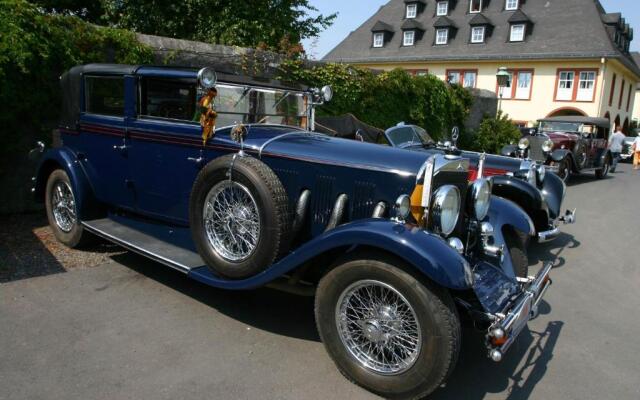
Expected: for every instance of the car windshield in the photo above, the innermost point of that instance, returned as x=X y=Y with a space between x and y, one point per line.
x=407 y=136
x=245 y=104
x=547 y=126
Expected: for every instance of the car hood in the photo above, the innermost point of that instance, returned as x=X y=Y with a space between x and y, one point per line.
x=314 y=147
x=561 y=136
x=499 y=164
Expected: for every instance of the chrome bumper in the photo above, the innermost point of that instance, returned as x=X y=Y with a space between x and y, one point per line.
x=569 y=217
x=508 y=325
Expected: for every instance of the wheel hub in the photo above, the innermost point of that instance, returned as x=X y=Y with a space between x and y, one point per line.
x=378 y=327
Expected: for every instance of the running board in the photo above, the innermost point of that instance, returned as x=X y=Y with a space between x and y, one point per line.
x=144 y=243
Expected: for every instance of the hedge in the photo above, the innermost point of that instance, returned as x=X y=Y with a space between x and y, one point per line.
x=383 y=99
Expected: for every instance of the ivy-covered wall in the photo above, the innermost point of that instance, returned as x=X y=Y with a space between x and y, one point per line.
x=35 y=48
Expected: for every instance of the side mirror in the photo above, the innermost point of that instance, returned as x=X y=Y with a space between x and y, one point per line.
x=207 y=78
x=327 y=93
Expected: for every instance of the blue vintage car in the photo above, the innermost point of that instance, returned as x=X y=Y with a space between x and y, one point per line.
x=220 y=177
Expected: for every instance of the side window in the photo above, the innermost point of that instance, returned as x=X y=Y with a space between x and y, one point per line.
x=172 y=99
x=104 y=95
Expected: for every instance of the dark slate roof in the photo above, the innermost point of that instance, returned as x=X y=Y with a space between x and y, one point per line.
x=561 y=29
x=412 y=24
x=416 y=1
x=382 y=27
x=518 y=16
x=480 y=19
x=443 y=22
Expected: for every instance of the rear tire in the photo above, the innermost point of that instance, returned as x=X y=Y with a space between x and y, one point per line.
x=604 y=171
x=60 y=203
x=419 y=318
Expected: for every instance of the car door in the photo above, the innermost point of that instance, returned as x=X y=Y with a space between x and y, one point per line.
x=104 y=148
x=166 y=147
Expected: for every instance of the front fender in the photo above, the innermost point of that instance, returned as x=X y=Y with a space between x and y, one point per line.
x=509 y=150
x=525 y=195
x=560 y=154
x=428 y=253
x=64 y=158
x=505 y=215
x=553 y=190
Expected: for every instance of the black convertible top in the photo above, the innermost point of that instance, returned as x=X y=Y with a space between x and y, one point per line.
x=346 y=126
x=71 y=80
x=601 y=122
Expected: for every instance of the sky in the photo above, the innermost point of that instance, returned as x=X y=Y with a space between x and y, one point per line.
x=352 y=13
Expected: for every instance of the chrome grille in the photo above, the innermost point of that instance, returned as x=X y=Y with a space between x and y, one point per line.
x=535 y=148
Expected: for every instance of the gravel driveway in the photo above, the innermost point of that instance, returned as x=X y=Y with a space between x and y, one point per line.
x=117 y=326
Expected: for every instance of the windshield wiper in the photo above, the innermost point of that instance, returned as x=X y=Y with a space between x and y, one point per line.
x=244 y=94
x=284 y=96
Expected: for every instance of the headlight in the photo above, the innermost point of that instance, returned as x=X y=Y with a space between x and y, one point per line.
x=523 y=144
x=446 y=209
x=547 y=146
x=207 y=78
x=480 y=197
x=542 y=171
x=327 y=93
x=403 y=207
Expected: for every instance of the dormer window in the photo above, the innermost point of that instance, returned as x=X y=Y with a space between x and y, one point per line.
x=378 y=39
x=477 y=34
x=442 y=36
x=517 y=32
x=408 y=38
x=511 y=5
x=475 y=6
x=382 y=33
x=442 y=8
x=412 y=10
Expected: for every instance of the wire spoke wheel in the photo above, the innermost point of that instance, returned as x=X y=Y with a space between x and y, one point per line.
x=63 y=206
x=378 y=327
x=231 y=220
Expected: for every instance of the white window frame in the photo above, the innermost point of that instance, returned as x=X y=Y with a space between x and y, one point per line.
x=465 y=81
x=408 y=38
x=477 y=38
x=440 y=10
x=471 y=10
x=506 y=92
x=523 y=92
x=586 y=85
x=412 y=10
x=453 y=76
x=376 y=36
x=446 y=36
x=511 y=5
x=564 y=90
x=513 y=37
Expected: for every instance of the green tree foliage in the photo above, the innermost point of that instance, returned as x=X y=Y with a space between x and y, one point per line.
x=35 y=49
x=386 y=98
x=270 y=24
x=494 y=133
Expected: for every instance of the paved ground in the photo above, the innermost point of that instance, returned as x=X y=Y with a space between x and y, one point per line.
x=130 y=328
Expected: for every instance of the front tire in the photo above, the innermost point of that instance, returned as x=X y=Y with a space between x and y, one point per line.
x=60 y=203
x=518 y=251
x=564 y=170
x=386 y=330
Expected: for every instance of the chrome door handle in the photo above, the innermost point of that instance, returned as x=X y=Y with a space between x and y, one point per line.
x=198 y=160
x=121 y=148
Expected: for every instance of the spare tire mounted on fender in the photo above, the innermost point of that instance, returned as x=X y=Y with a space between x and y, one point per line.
x=240 y=225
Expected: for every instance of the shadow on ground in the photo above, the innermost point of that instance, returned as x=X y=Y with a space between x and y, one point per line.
x=29 y=249
x=552 y=251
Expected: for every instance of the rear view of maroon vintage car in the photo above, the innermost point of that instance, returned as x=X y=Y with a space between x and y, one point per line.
x=567 y=145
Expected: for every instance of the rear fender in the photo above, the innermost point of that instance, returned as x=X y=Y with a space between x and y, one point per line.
x=505 y=215
x=64 y=158
x=427 y=253
x=602 y=157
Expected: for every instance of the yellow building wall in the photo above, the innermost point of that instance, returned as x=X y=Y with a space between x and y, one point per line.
x=636 y=107
x=542 y=102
